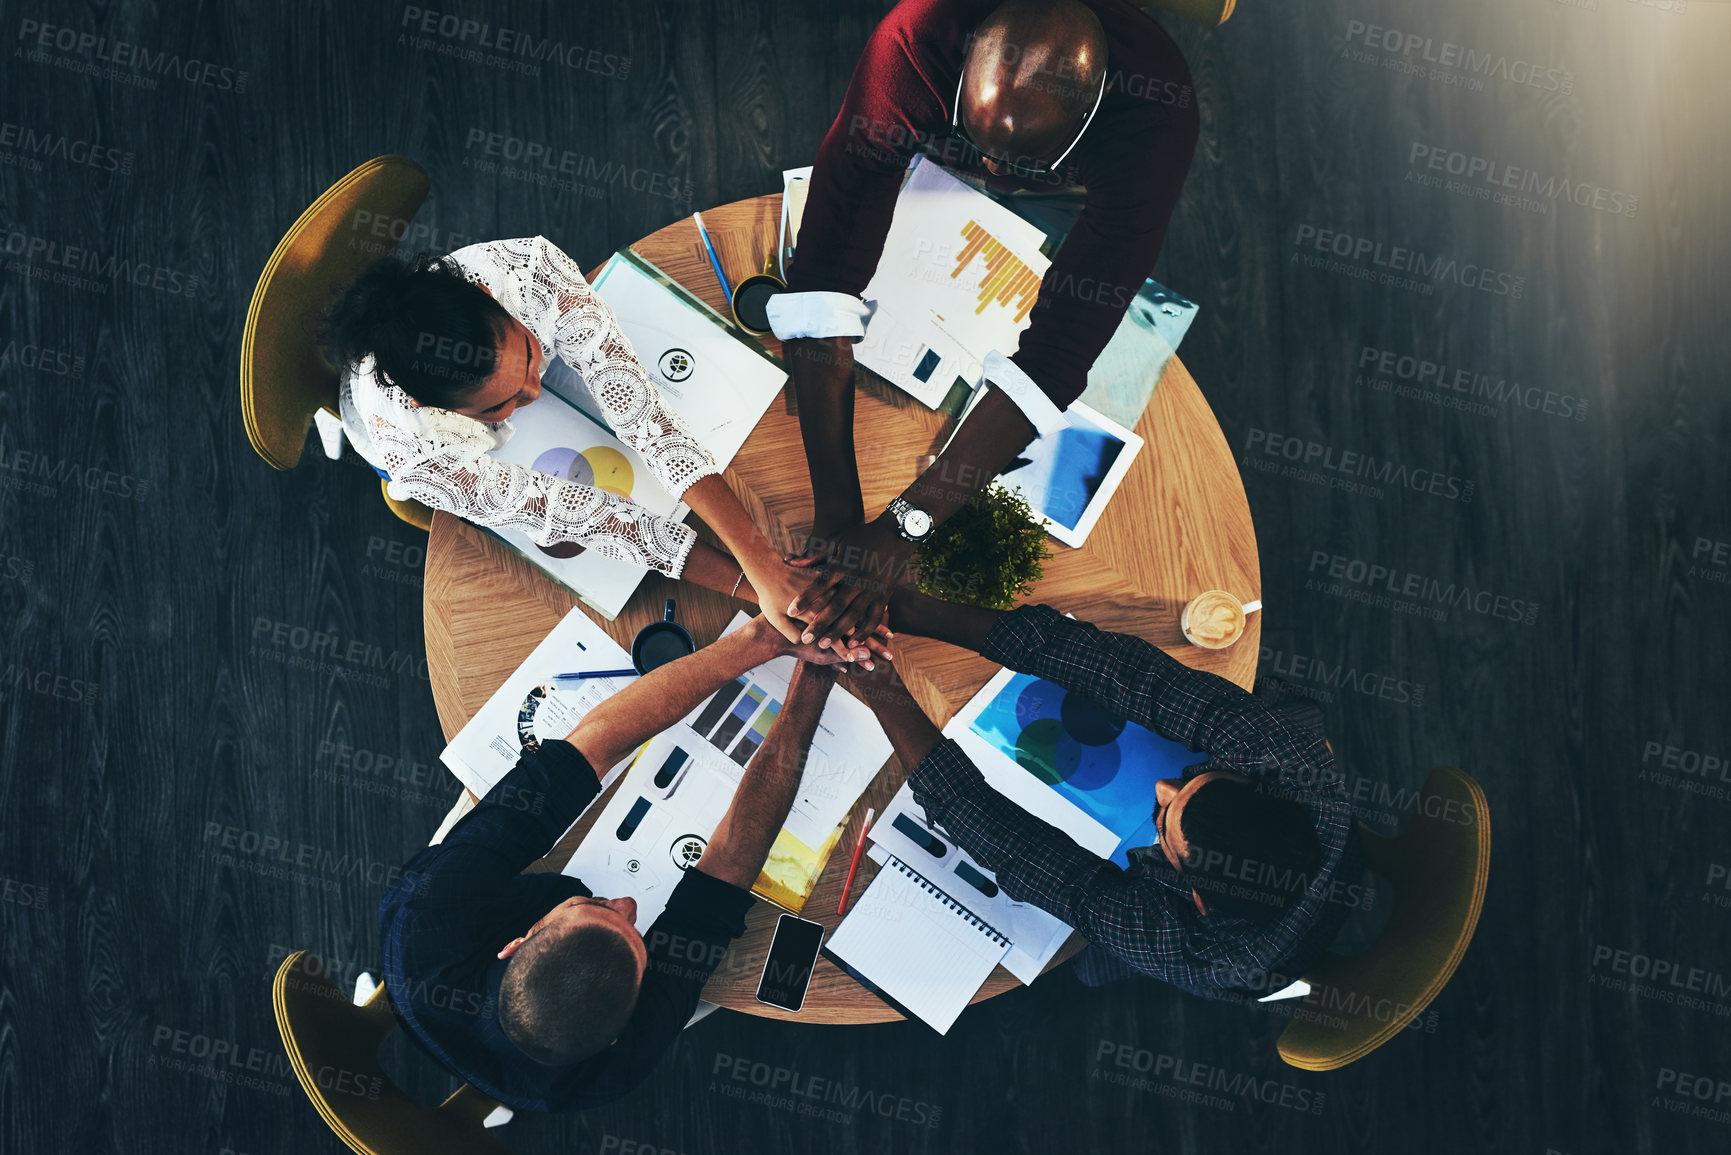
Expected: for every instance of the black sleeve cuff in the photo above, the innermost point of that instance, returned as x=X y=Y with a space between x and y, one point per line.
x=553 y=784
x=703 y=896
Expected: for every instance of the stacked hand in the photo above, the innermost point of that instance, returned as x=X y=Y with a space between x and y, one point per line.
x=783 y=584
x=778 y=586
x=850 y=579
x=776 y=645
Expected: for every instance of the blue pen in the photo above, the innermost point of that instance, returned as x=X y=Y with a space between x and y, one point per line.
x=726 y=289
x=579 y=675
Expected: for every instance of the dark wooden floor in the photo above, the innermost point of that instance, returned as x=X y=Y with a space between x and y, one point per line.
x=153 y=726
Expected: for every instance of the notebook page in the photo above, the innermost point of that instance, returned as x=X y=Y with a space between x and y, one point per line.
x=917 y=945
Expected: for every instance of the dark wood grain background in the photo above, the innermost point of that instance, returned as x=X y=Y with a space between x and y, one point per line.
x=151 y=714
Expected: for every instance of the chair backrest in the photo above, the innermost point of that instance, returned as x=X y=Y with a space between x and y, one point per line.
x=1207 y=13
x=413 y=512
x=283 y=376
x=1438 y=866
x=333 y=1045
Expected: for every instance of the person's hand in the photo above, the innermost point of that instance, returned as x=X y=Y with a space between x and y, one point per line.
x=779 y=586
x=827 y=530
x=775 y=646
x=857 y=573
x=877 y=643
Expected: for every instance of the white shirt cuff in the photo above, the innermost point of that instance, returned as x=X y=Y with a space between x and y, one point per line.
x=817 y=315
x=1044 y=416
x=330 y=428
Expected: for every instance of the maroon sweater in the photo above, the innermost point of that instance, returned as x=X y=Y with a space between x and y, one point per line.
x=1132 y=160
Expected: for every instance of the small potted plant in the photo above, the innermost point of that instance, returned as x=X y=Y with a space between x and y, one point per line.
x=989 y=553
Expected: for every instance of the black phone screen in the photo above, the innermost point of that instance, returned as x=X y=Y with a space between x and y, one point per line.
x=787 y=970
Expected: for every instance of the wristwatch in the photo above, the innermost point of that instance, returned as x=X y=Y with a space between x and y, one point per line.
x=913 y=523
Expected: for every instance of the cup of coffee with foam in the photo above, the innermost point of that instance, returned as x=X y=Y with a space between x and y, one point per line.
x=1214 y=619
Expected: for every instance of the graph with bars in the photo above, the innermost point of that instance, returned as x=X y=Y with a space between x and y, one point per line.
x=1007 y=279
x=739 y=710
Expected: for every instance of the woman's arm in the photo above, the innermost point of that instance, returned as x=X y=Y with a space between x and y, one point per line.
x=587 y=335
x=451 y=470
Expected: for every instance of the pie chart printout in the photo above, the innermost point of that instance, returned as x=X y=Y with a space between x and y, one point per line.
x=1098 y=760
x=601 y=466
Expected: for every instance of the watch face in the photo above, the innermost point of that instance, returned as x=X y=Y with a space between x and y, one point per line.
x=917 y=523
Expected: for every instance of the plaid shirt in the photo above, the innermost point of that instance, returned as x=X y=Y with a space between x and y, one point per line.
x=1146 y=916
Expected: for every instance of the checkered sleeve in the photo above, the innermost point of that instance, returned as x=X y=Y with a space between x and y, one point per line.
x=1141 y=682
x=1037 y=863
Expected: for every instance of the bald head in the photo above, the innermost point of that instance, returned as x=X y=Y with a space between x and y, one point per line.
x=1031 y=76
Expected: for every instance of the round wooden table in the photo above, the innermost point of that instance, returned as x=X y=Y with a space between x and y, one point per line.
x=1179 y=524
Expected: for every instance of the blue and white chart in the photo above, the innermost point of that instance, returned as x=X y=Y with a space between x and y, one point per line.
x=1067 y=760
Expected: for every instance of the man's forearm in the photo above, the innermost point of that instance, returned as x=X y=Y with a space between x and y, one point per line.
x=821 y=369
x=1137 y=680
x=1033 y=861
x=873 y=559
x=741 y=843
x=987 y=441
x=912 y=612
x=666 y=694
x=910 y=731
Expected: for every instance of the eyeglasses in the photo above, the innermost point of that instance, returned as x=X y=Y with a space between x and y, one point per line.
x=1017 y=166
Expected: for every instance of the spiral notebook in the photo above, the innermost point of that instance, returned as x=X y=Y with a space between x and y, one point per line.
x=916 y=947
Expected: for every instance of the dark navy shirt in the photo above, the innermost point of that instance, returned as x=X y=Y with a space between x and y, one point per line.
x=461 y=901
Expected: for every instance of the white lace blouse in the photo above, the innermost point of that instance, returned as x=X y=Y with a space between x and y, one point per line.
x=440 y=458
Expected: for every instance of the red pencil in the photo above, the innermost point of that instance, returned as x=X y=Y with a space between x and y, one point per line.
x=858 y=845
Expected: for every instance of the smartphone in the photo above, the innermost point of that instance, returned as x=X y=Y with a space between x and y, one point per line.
x=787 y=970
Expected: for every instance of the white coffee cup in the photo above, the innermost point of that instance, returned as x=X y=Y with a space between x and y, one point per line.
x=1214 y=619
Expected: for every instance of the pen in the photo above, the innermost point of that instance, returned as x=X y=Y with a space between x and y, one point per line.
x=726 y=289
x=859 y=845
x=579 y=675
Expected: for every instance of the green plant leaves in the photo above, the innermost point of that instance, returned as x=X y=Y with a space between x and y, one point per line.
x=989 y=553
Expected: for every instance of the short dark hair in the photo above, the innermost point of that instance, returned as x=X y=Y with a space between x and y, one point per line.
x=568 y=992
x=430 y=331
x=1248 y=852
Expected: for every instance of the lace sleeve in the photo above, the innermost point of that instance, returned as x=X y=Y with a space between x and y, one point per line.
x=447 y=470
x=587 y=335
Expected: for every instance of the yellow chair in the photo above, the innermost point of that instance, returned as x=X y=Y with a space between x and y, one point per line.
x=413 y=512
x=1438 y=867
x=284 y=378
x=333 y=1044
x=1207 y=13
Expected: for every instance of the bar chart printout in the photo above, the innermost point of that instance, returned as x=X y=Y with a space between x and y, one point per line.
x=1006 y=282
x=957 y=279
x=755 y=733
x=737 y=719
x=714 y=709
